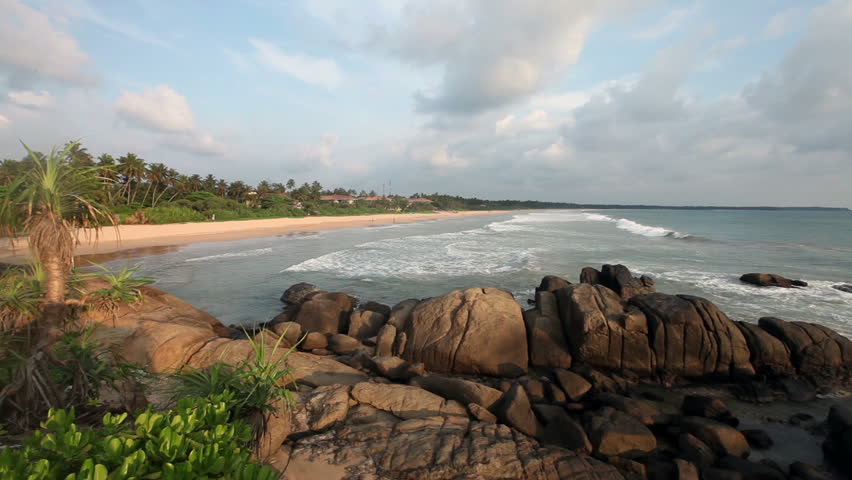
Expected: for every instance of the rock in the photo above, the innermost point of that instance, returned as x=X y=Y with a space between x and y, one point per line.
x=291 y=331
x=515 y=410
x=638 y=409
x=436 y=448
x=343 y=344
x=481 y=413
x=816 y=351
x=547 y=344
x=372 y=306
x=771 y=280
x=384 y=341
x=298 y=293
x=461 y=390
x=723 y=439
x=803 y=471
x=321 y=352
x=721 y=474
x=325 y=312
x=394 y=368
x=551 y=283
x=619 y=279
x=273 y=427
x=844 y=287
x=535 y=389
x=797 y=390
x=555 y=394
x=559 y=429
x=691 y=337
x=399 y=343
x=317 y=371
x=362 y=414
x=839 y=442
x=696 y=451
x=406 y=401
x=314 y=340
x=320 y=409
x=614 y=433
x=364 y=324
x=574 y=386
x=685 y=470
x=839 y=418
x=590 y=275
x=708 y=407
x=630 y=469
x=769 y=355
x=758 y=439
x=601 y=333
x=473 y=331
x=750 y=470
x=401 y=313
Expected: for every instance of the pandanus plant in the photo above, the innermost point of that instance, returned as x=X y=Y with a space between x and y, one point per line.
x=53 y=204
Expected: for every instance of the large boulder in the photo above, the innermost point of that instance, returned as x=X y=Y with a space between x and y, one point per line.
x=614 y=433
x=723 y=439
x=298 y=293
x=815 y=351
x=472 y=331
x=691 y=337
x=515 y=410
x=771 y=280
x=325 y=313
x=551 y=283
x=547 y=344
x=364 y=324
x=619 y=279
x=769 y=355
x=406 y=401
x=843 y=287
x=401 y=312
x=459 y=389
x=601 y=332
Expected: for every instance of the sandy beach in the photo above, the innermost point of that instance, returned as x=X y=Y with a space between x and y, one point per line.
x=137 y=239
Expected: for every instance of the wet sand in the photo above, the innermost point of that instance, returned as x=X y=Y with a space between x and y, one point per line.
x=141 y=240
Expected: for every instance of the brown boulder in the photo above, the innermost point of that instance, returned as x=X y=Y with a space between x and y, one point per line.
x=401 y=312
x=619 y=279
x=771 y=280
x=551 y=283
x=291 y=331
x=472 y=331
x=572 y=384
x=314 y=340
x=590 y=275
x=298 y=293
x=560 y=429
x=481 y=413
x=614 y=433
x=325 y=313
x=515 y=410
x=320 y=409
x=395 y=368
x=769 y=355
x=406 y=401
x=364 y=324
x=343 y=344
x=459 y=389
x=546 y=340
x=722 y=439
x=377 y=307
x=816 y=351
x=384 y=341
x=317 y=371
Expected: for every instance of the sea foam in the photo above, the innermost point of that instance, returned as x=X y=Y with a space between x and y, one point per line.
x=638 y=228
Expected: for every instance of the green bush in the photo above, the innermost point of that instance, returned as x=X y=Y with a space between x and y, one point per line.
x=198 y=439
x=123 y=286
x=173 y=214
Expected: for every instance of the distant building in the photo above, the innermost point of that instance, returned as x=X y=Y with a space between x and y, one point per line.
x=371 y=199
x=421 y=201
x=338 y=198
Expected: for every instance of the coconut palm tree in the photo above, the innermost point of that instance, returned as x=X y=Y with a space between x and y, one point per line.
x=209 y=184
x=8 y=172
x=133 y=169
x=222 y=187
x=49 y=202
x=78 y=156
x=157 y=175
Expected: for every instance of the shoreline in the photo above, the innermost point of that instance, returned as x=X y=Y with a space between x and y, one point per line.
x=142 y=240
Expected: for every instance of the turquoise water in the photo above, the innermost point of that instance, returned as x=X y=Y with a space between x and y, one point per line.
x=695 y=252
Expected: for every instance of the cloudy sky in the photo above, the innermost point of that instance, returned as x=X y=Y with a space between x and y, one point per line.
x=666 y=102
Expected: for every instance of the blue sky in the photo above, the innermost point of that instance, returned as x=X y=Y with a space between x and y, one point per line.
x=697 y=102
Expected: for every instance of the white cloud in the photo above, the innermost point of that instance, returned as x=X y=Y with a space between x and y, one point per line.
x=86 y=11
x=196 y=142
x=4 y=122
x=535 y=120
x=34 y=49
x=28 y=99
x=317 y=71
x=319 y=152
x=158 y=108
x=666 y=25
x=782 y=23
x=443 y=158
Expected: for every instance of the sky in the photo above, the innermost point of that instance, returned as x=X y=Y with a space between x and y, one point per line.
x=614 y=101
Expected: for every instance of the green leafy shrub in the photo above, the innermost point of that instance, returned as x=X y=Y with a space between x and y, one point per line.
x=173 y=214
x=258 y=383
x=123 y=286
x=198 y=439
x=20 y=294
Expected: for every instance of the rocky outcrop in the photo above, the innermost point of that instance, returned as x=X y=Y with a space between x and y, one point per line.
x=298 y=293
x=459 y=389
x=618 y=279
x=472 y=331
x=551 y=283
x=406 y=401
x=771 y=280
x=843 y=287
x=815 y=351
x=364 y=324
x=325 y=312
x=614 y=433
x=838 y=445
x=546 y=340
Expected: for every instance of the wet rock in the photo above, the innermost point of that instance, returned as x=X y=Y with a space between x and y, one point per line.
x=459 y=389
x=405 y=401
x=771 y=280
x=551 y=283
x=844 y=287
x=515 y=410
x=614 y=433
x=313 y=341
x=343 y=344
x=384 y=341
x=481 y=413
x=298 y=293
x=364 y=324
x=473 y=331
x=758 y=439
x=839 y=442
x=797 y=390
x=325 y=312
x=803 y=471
x=750 y=470
x=560 y=429
x=723 y=439
x=574 y=386
x=708 y=407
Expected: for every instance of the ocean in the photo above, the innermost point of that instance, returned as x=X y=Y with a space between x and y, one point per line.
x=696 y=252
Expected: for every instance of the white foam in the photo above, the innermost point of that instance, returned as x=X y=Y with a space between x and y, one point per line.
x=636 y=227
x=597 y=217
x=248 y=253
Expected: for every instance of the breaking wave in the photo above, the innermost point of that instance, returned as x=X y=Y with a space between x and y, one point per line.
x=248 y=253
x=640 y=229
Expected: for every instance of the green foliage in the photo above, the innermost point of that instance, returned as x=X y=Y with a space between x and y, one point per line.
x=257 y=384
x=20 y=295
x=199 y=439
x=173 y=214
x=123 y=287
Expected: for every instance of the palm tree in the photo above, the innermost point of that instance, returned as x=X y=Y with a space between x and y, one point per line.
x=106 y=170
x=133 y=169
x=291 y=184
x=78 y=156
x=8 y=172
x=49 y=203
x=263 y=188
x=222 y=187
x=237 y=190
x=157 y=176
x=209 y=184
x=195 y=183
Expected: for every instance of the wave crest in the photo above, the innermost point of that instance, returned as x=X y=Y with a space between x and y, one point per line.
x=639 y=228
